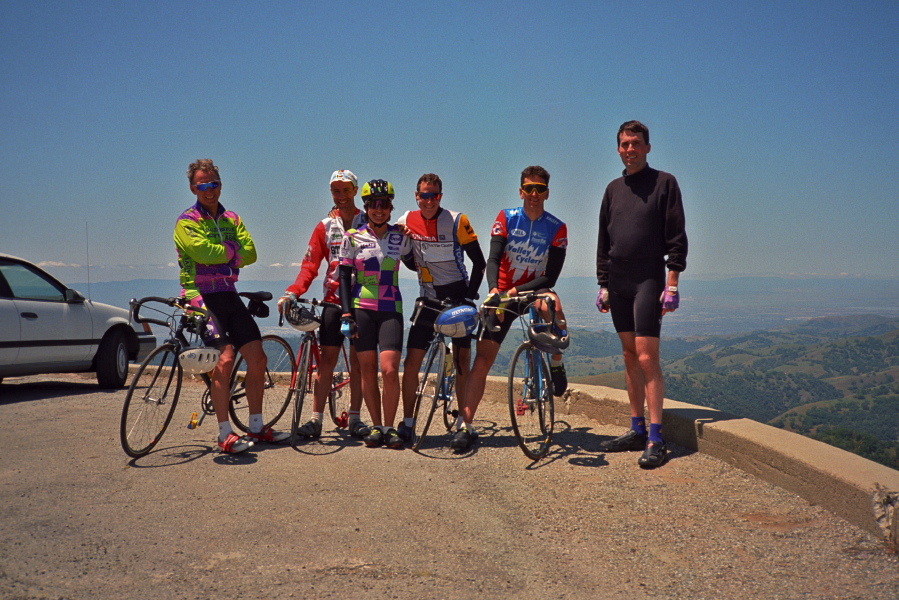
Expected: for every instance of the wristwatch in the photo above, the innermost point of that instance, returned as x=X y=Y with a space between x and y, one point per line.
x=672 y=289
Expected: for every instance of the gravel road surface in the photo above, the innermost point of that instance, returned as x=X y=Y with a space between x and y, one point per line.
x=334 y=519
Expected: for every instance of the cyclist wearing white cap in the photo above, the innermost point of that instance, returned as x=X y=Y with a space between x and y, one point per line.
x=324 y=244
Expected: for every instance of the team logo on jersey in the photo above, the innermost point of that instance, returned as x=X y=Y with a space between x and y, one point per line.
x=395 y=239
x=518 y=232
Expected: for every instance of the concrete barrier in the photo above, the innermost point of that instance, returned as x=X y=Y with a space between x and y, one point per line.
x=861 y=491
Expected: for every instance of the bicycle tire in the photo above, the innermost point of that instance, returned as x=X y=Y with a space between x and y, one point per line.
x=448 y=397
x=531 y=401
x=430 y=383
x=277 y=387
x=340 y=396
x=303 y=387
x=150 y=401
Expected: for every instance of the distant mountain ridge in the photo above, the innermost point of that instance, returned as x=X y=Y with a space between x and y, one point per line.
x=708 y=307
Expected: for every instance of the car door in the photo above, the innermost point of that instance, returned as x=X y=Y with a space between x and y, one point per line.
x=52 y=330
x=9 y=329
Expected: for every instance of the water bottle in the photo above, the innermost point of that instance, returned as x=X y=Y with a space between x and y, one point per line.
x=448 y=362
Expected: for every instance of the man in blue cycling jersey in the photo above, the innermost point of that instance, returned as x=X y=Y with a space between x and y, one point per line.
x=527 y=252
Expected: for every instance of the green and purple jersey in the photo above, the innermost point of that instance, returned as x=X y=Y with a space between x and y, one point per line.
x=375 y=262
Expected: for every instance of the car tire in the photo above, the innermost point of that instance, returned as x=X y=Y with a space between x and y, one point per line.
x=112 y=361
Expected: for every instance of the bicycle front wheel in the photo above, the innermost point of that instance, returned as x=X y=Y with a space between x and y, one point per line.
x=430 y=384
x=339 y=396
x=531 y=401
x=277 y=385
x=448 y=396
x=150 y=401
x=304 y=386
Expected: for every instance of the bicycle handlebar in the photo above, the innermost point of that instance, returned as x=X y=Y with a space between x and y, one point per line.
x=312 y=302
x=181 y=303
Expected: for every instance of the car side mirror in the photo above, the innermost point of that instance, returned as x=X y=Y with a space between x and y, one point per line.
x=73 y=297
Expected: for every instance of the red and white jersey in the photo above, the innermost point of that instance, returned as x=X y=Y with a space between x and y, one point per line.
x=324 y=243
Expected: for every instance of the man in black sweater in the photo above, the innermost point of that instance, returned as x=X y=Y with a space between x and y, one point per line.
x=641 y=232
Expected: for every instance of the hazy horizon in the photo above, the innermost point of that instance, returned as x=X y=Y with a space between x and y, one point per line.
x=766 y=112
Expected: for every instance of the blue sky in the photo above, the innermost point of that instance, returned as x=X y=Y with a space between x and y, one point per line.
x=778 y=119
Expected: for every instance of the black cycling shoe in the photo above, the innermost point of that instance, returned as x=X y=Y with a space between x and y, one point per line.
x=654 y=455
x=628 y=442
x=559 y=378
x=463 y=439
x=374 y=439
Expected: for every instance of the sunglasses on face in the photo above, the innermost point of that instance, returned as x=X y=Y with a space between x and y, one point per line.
x=380 y=204
x=428 y=195
x=212 y=185
x=530 y=188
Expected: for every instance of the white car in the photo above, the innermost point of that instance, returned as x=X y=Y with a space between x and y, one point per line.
x=46 y=327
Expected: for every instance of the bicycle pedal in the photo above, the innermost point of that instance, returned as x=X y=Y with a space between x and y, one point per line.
x=521 y=407
x=343 y=420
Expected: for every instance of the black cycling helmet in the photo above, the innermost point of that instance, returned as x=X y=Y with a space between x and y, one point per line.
x=376 y=189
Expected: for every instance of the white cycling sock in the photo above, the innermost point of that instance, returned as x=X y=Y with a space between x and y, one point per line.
x=318 y=417
x=256 y=423
x=224 y=430
x=410 y=422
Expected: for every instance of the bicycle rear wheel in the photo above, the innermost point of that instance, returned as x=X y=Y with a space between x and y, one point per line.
x=531 y=401
x=150 y=401
x=277 y=385
x=339 y=396
x=304 y=387
x=430 y=384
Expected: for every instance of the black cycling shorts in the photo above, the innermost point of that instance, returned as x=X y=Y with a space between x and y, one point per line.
x=378 y=330
x=329 y=331
x=510 y=317
x=422 y=331
x=634 y=292
x=231 y=320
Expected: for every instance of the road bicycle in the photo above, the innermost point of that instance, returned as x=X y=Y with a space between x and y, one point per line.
x=179 y=368
x=530 y=386
x=173 y=370
x=305 y=316
x=437 y=375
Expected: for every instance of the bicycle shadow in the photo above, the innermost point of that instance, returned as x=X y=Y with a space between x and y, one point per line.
x=574 y=445
x=172 y=456
x=330 y=442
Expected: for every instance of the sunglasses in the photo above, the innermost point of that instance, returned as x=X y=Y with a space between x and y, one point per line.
x=529 y=188
x=212 y=185
x=380 y=203
x=428 y=195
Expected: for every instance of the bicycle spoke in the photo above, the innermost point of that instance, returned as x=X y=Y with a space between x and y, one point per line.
x=150 y=402
x=276 y=385
x=430 y=385
x=530 y=401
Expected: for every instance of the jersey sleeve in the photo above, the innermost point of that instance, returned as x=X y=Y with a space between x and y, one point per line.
x=560 y=240
x=191 y=239
x=315 y=252
x=464 y=232
x=247 y=250
x=347 y=256
x=499 y=226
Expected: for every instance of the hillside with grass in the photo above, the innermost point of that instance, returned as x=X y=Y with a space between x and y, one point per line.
x=835 y=379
